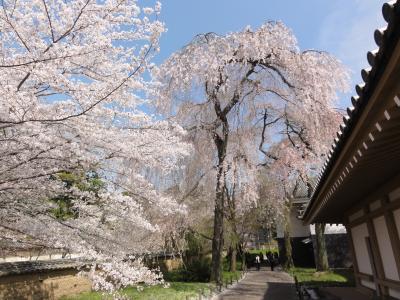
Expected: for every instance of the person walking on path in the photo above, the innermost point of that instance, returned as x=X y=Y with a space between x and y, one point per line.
x=271 y=260
x=258 y=263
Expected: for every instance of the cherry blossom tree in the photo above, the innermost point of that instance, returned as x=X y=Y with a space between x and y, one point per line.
x=72 y=99
x=249 y=81
x=287 y=181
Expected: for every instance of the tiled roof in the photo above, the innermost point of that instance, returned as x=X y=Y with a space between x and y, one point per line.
x=385 y=38
x=25 y=267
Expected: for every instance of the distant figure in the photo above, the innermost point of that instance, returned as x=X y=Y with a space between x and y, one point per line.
x=271 y=260
x=258 y=262
x=276 y=257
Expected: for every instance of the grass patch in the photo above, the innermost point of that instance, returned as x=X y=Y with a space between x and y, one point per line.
x=228 y=276
x=176 y=291
x=335 y=277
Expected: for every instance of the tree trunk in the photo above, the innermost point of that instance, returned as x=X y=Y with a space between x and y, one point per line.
x=321 y=255
x=233 y=236
x=234 y=248
x=218 y=236
x=232 y=263
x=221 y=143
x=288 y=259
x=242 y=253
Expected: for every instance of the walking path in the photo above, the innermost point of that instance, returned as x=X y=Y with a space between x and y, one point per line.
x=262 y=285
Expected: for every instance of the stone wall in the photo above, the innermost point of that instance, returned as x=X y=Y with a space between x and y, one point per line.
x=338 y=250
x=337 y=245
x=50 y=285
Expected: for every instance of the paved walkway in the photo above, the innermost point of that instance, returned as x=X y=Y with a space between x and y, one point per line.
x=262 y=285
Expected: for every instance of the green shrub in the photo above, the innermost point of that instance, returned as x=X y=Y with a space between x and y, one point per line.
x=196 y=270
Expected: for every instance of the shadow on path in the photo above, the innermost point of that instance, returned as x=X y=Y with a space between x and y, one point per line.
x=280 y=291
x=260 y=285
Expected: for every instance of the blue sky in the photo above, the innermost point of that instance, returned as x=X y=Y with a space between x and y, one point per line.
x=342 y=27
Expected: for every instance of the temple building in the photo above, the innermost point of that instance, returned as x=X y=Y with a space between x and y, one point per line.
x=359 y=185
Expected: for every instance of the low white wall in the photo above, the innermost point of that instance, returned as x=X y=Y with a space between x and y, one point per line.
x=359 y=233
x=385 y=248
x=35 y=257
x=330 y=229
x=300 y=230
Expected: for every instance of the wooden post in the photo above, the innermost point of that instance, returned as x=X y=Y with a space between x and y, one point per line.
x=376 y=258
x=353 y=254
x=373 y=265
x=393 y=235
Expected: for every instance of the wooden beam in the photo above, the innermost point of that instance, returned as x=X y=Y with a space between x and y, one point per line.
x=376 y=213
x=364 y=276
x=378 y=193
x=389 y=283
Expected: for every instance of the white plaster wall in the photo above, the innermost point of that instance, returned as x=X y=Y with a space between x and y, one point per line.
x=393 y=196
x=385 y=248
x=279 y=230
x=359 y=233
x=394 y=293
x=396 y=214
x=297 y=228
